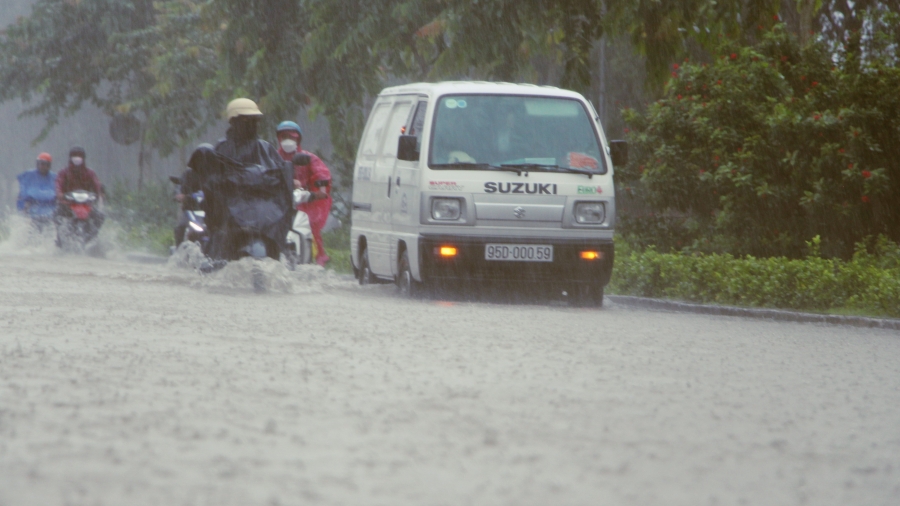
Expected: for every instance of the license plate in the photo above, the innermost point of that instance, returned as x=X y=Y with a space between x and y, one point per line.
x=519 y=252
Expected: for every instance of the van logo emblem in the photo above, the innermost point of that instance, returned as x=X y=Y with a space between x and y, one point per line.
x=519 y=212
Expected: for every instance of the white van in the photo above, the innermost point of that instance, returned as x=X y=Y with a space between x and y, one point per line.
x=478 y=181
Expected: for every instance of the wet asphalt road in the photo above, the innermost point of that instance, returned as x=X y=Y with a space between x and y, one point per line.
x=123 y=383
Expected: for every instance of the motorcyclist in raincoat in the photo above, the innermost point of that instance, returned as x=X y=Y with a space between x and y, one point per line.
x=314 y=177
x=77 y=176
x=247 y=186
x=37 y=191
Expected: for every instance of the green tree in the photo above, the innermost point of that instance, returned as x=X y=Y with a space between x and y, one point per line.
x=768 y=146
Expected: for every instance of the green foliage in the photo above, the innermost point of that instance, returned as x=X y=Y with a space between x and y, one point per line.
x=145 y=217
x=337 y=245
x=868 y=283
x=65 y=51
x=769 y=145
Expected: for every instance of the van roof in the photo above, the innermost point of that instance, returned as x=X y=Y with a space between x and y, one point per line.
x=480 y=88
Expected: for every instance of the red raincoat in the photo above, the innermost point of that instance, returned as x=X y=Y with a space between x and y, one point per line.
x=77 y=177
x=317 y=210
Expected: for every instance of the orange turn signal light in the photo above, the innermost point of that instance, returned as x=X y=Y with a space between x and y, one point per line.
x=591 y=255
x=448 y=251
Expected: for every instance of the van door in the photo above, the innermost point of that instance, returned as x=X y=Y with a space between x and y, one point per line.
x=382 y=240
x=365 y=164
x=405 y=193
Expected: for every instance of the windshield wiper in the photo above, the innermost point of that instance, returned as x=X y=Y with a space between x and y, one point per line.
x=480 y=166
x=549 y=168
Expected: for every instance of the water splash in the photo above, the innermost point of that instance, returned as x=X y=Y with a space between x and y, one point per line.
x=25 y=239
x=188 y=255
x=275 y=276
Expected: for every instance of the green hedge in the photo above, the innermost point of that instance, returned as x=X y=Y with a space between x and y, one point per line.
x=869 y=283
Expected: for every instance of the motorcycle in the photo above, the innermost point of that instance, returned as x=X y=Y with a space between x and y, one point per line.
x=195 y=217
x=250 y=211
x=77 y=229
x=40 y=207
x=299 y=237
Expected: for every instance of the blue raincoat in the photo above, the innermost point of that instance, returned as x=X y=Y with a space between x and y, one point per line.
x=37 y=192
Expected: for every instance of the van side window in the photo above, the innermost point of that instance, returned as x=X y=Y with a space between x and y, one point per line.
x=369 y=145
x=418 y=124
x=395 y=128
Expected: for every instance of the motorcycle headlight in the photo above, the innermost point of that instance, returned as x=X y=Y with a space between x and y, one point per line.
x=446 y=209
x=590 y=213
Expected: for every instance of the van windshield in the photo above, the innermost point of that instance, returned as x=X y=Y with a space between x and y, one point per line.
x=508 y=132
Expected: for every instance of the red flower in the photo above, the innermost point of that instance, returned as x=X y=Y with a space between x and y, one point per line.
x=740 y=149
x=674 y=74
x=849 y=165
x=841 y=150
x=734 y=56
x=866 y=174
x=627 y=130
x=716 y=157
x=816 y=117
x=675 y=66
x=803 y=78
x=719 y=81
x=784 y=58
x=775 y=17
x=865 y=198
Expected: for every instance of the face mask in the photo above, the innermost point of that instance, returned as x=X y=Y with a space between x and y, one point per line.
x=77 y=160
x=289 y=145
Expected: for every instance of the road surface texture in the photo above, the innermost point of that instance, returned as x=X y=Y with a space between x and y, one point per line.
x=131 y=384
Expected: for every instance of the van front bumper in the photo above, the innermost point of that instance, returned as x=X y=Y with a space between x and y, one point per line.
x=469 y=264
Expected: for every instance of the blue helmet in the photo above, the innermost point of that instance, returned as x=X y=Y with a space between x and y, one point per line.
x=289 y=125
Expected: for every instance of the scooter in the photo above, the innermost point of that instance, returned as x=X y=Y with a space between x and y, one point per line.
x=195 y=217
x=76 y=230
x=299 y=237
x=40 y=211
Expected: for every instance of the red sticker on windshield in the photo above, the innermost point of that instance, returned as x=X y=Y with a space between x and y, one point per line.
x=582 y=161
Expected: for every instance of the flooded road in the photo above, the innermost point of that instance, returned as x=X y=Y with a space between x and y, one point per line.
x=126 y=383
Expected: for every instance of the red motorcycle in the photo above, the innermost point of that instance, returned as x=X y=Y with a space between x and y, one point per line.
x=75 y=225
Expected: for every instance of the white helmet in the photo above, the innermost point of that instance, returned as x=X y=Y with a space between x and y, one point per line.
x=242 y=107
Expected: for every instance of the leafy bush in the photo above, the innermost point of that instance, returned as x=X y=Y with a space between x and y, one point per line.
x=337 y=244
x=869 y=282
x=768 y=146
x=146 y=216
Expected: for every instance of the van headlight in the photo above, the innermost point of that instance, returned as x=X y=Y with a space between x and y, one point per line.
x=590 y=213
x=446 y=209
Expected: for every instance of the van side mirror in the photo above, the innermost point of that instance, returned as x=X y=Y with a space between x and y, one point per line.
x=407 y=148
x=618 y=151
